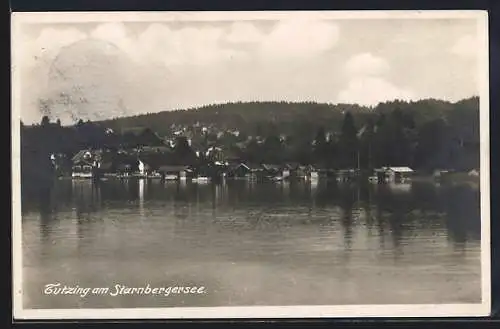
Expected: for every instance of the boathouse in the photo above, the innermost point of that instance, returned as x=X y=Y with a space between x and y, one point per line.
x=176 y=172
x=399 y=174
x=245 y=171
x=276 y=171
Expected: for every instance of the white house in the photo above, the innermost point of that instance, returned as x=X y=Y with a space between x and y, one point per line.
x=141 y=167
x=396 y=174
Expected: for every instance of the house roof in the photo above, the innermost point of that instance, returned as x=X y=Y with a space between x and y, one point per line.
x=80 y=155
x=271 y=167
x=254 y=167
x=238 y=165
x=214 y=148
x=400 y=169
x=292 y=165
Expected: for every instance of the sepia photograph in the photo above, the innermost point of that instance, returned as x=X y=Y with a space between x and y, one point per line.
x=250 y=164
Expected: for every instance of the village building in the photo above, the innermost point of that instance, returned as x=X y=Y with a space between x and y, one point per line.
x=398 y=174
x=299 y=171
x=245 y=171
x=150 y=163
x=175 y=172
x=313 y=174
x=215 y=154
x=276 y=172
x=83 y=164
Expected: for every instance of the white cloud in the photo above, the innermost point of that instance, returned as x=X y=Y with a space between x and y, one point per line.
x=160 y=44
x=371 y=91
x=48 y=43
x=200 y=63
x=366 y=64
x=466 y=46
x=299 y=38
x=117 y=34
x=367 y=84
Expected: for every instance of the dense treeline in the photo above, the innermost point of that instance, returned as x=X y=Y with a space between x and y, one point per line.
x=252 y=117
x=426 y=134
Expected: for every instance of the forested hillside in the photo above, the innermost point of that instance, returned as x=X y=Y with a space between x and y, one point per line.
x=254 y=117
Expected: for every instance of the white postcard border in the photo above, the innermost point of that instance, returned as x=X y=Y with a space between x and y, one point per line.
x=431 y=310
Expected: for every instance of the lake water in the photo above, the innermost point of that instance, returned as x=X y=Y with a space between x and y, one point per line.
x=253 y=243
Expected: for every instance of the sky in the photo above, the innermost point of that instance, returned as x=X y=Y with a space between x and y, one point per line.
x=108 y=69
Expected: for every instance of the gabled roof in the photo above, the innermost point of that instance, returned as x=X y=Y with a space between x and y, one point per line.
x=292 y=165
x=80 y=155
x=271 y=167
x=238 y=165
x=254 y=167
x=400 y=169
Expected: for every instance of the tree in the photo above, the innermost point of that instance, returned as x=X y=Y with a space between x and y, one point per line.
x=45 y=121
x=432 y=150
x=348 y=142
x=320 y=150
x=272 y=150
x=183 y=152
x=252 y=152
x=366 y=140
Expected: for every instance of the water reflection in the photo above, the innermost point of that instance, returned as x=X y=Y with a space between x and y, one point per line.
x=400 y=210
x=324 y=230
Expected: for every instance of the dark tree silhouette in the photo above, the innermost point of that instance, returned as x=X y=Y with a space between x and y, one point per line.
x=321 y=147
x=45 y=121
x=348 y=143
